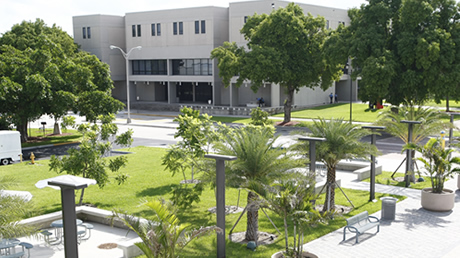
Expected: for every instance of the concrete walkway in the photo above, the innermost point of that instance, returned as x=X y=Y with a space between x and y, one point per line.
x=415 y=232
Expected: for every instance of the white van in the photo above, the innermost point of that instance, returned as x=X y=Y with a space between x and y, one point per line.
x=10 y=147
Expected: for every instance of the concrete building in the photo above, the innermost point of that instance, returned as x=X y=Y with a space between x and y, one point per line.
x=174 y=64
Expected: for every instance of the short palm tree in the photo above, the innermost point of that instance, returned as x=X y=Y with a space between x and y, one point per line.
x=259 y=164
x=163 y=235
x=342 y=142
x=12 y=210
x=431 y=123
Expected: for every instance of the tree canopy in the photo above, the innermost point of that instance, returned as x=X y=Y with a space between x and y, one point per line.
x=405 y=50
x=284 y=47
x=42 y=72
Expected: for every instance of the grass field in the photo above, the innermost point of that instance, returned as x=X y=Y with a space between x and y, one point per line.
x=38 y=138
x=149 y=180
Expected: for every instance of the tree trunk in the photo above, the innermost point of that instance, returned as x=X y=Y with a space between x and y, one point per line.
x=252 y=224
x=330 y=189
x=286 y=235
x=22 y=129
x=447 y=103
x=288 y=105
x=57 y=129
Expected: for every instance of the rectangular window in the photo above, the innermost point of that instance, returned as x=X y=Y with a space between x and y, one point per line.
x=138 y=30
x=84 y=32
x=191 y=67
x=149 y=67
x=89 y=32
x=181 y=28
x=134 y=30
x=327 y=24
x=158 y=29
x=245 y=19
x=197 y=27
x=153 y=29
x=174 y=28
x=203 y=27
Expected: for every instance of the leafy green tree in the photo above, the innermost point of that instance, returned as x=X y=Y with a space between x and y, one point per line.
x=14 y=209
x=88 y=159
x=163 y=235
x=42 y=66
x=405 y=49
x=284 y=47
x=259 y=163
x=343 y=141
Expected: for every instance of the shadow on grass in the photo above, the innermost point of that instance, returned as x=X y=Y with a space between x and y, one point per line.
x=327 y=106
x=155 y=191
x=373 y=110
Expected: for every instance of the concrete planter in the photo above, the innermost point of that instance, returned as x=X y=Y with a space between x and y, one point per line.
x=458 y=181
x=304 y=255
x=438 y=202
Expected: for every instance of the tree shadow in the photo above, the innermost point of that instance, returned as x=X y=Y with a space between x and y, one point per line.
x=155 y=191
x=415 y=217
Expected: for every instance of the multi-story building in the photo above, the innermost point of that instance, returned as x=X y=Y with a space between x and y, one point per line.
x=174 y=64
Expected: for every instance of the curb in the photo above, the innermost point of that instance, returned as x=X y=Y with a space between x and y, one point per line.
x=50 y=145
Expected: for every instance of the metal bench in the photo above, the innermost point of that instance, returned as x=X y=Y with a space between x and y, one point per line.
x=360 y=223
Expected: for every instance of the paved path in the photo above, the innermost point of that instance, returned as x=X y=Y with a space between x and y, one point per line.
x=415 y=232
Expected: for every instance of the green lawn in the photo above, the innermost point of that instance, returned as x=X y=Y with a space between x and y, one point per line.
x=149 y=180
x=360 y=112
x=74 y=136
x=385 y=179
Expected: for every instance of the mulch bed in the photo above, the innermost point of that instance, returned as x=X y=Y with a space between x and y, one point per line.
x=107 y=246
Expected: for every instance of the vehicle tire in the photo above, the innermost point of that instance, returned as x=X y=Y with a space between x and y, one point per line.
x=5 y=161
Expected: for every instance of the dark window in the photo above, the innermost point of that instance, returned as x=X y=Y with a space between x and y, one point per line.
x=175 y=28
x=149 y=67
x=203 y=27
x=181 y=28
x=245 y=19
x=197 y=27
x=89 y=32
x=153 y=29
x=158 y=29
x=138 y=30
x=84 y=32
x=191 y=67
x=134 y=30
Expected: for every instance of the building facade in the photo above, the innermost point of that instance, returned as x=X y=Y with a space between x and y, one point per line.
x=174 y=64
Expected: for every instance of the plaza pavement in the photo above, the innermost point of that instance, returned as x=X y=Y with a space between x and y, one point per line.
x=415 y=232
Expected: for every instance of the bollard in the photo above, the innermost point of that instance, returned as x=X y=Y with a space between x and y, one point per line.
x=443 y=139
x=32 y=158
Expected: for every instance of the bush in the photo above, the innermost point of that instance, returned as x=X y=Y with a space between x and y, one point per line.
x=259 y=117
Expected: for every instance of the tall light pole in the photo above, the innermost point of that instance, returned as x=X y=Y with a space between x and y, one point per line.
x=126 y=56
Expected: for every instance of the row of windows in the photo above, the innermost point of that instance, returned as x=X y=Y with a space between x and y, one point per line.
x=86 y=32
x=327 y=22
x=192 y=66
x=178 y=28
x=179 y=67
x=150 y=67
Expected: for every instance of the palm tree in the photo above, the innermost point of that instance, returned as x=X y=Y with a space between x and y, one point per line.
x=432 y=123
x=163 y=235
x=259 y=164
x=342 y=142
x=12 y=210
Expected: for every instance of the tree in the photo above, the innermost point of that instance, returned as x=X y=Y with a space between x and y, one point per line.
x=405 y=50
x=88 y=159
x=342 y=142
x=163 y=235
x=14 y=209
x=431 y=123
x=286 y=48
x=258 y=164
x=41 y=66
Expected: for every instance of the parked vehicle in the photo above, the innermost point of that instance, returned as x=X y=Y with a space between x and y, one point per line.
x=10 y=147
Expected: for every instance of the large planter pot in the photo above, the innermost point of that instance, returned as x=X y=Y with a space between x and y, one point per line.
x=305 y=254
x=438 y=202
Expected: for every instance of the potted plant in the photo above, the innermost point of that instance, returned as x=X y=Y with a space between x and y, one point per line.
x=292 y=199
x=439 y=165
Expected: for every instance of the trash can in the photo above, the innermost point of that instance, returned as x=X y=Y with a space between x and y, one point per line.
x=388 y=208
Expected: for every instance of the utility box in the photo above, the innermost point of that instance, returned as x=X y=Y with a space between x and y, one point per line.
x=10 y=147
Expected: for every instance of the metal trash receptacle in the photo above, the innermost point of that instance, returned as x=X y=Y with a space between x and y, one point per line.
x=388 y=208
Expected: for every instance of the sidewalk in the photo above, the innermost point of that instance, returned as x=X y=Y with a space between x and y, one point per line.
x=415 y=232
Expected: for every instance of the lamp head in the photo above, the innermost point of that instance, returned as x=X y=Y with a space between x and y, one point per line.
x=112 y=47
x=139 y=47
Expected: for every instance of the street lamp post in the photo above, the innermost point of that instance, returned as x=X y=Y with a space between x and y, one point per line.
x=126 y=56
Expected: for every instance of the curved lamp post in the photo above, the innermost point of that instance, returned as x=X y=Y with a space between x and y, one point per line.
x=126 y=56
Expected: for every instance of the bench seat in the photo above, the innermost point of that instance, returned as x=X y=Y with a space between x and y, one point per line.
x=360 y=223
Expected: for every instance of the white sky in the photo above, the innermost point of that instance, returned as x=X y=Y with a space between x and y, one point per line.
x=60 y=12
